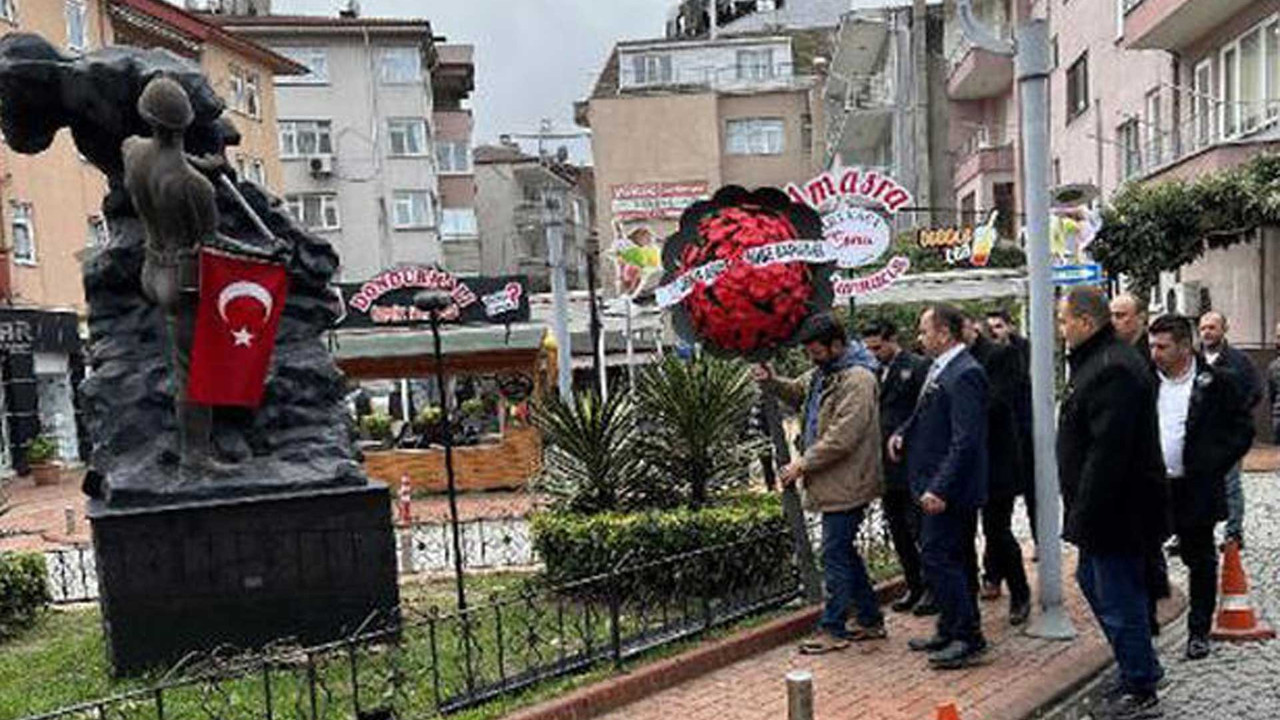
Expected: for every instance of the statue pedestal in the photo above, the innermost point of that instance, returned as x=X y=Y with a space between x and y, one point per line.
x=307 y=565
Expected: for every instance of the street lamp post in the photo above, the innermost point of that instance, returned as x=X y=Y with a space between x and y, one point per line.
x=433 y=302
x=1032 y=64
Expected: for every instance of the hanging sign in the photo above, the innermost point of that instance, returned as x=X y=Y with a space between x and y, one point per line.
x=961 y=245
x=387 y=299
x=846 y=288
x=854 y=204
x=652 y=200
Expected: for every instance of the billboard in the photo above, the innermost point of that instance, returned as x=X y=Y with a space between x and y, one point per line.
x=387 y=299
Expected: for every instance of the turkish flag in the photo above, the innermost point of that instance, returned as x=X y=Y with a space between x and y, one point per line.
x=240 y=304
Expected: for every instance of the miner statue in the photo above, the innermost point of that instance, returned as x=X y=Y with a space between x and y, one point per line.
x=178 y=209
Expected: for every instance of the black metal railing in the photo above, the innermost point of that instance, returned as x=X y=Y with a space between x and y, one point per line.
x=413 y=664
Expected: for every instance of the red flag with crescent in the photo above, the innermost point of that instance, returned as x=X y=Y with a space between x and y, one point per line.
x=240 y=304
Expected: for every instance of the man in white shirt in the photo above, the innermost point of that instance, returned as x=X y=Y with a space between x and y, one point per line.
x=1204 y=431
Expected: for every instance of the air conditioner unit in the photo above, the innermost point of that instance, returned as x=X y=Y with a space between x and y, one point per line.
x=321 y=165
x=1184 y=299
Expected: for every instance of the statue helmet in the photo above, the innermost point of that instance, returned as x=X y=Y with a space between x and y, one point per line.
x=165 y=104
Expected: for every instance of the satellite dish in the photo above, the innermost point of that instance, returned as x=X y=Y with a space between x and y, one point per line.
x=1075 y=194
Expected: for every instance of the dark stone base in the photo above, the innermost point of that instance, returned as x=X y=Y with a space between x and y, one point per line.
x=308 y=566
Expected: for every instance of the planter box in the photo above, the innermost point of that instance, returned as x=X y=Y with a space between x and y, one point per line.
x=46 y=474
x=506 y=465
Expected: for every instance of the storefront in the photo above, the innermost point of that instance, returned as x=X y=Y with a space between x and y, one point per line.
x=41 y=367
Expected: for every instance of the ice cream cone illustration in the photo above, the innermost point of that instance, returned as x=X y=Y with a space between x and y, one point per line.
x=984 y=239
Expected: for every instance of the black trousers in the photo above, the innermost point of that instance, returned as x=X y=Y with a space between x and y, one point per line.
x=951 y=568
x=1002 y=557
x=1201 y=558
x=903 y=514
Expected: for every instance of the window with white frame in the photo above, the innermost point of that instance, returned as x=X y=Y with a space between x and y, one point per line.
x=76 y=25
x=401 y=65
x=23 y=232
x=755 y=64
x=411 y=209
x=651 y=68
x=1078 y=87
x=755 y=136
x=302 y=138
x=316 y=211
x=316 y=61
x=1128 y=140
x=246 y=97
x=1154 y=127
x=453 y=156
x=1249 y=79
x=97 y=232
x=1230 y=71
x=257 y=172
x=1203 y=104
x=458 y=223
x=9 y=10
x=408 y=136
x=1272 y=35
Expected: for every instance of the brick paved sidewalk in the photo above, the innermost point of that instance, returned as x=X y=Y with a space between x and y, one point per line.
x=885 y=681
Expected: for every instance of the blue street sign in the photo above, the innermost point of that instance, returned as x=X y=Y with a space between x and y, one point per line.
x=1087 y=274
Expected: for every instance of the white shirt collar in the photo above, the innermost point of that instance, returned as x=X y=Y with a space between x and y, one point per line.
x=1183 y=379
x=945 y=358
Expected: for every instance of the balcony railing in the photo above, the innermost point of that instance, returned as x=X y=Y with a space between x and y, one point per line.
x=1213 y=123
x=732 y=77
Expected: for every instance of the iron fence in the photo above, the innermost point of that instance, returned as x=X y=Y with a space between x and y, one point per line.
x=409 y=664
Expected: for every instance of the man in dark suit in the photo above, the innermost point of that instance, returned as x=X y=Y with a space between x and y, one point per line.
x=1002 y=556
x=945 y=445
x=1204 y=432
x=1222 y=355
x=901 y=376
x=1115 y=502
x=1003 y=332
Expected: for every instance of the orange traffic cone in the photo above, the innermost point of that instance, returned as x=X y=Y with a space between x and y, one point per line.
x=1236 y=619
x=948 y=711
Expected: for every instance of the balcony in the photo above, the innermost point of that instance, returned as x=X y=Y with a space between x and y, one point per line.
x=1174 y=24
x=726 y=79
x=977 y=73
x=984 y=160
x=1210 y=139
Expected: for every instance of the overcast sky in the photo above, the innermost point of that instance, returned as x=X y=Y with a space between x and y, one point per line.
x=534 y=58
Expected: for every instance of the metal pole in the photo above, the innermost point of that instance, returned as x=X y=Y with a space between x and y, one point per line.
x=597 y=346
x=448 y=462
x=1033 y=64
x=554 y=225
x=800 y=695
x=792 y=509
x=631 y=350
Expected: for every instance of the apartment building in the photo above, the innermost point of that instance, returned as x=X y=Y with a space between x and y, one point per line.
x=355 y=134
x=452 y=81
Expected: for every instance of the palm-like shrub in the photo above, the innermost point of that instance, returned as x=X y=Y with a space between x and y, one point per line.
x=694 y=418
x=591 y=461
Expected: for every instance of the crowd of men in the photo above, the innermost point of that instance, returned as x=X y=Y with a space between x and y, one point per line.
x=1151 y=433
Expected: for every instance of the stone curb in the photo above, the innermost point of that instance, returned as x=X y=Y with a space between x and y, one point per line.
x=601 y=697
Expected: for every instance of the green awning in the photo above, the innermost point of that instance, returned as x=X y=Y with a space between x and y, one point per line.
x=408 y=342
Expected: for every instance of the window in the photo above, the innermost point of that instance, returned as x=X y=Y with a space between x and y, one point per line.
x=1130 y=152
x=1155 y=133
x=316 y=211
x=401 y=65
x=1057 y=171
x=316 y=60
x=411 y=209
x=458 y=223
x=1054 y=47
x=74 y=10
x=1078 y=87
x=1202 y=104
x=9 y=10
x=251 y=169
x=1230 y=113
x=24 y=234
x=651 y=69
x=97 y=235
x=755 y=64
x=453 y=156
x=755 y=136
x=1251 y=78
x=1273 y=69
x=408 y=136
x=245 y=96
x=301 y=138
x=968 y=208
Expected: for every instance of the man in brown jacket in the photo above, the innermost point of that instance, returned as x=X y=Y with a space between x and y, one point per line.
x=839 y=470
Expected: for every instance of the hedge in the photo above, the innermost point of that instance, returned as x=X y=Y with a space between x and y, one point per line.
x=574 y=547
x=24 y=591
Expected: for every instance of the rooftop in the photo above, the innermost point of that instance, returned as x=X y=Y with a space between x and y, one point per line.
x=319 y=22
x=200 y=28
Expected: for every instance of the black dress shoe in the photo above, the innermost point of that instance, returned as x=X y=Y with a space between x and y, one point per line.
x=926 y=607
x=907 y=602
x=958 y=654
x=932 y=644
x=1198 y=648
x=1019 y=611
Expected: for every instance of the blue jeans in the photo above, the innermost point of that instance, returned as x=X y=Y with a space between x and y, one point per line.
x=1235 y=503
x=846 y=576
x=1116 y=587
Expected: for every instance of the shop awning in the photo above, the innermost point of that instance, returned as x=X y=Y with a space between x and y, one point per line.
x=409 y=352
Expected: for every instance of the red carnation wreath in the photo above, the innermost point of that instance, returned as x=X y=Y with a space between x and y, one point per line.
x=749 y=310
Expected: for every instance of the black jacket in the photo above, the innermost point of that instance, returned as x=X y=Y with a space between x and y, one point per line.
x=1110 y=464
x=1219 y=433
x=1243 y=372
x=900 y=384
x=1006 y=445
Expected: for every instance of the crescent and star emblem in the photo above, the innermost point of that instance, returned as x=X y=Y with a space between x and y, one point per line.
x=252 y=290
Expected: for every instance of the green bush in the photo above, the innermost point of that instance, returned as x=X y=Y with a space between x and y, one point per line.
x=575 y=546
x=376 y=426
x=23 y=591
x=41 y=449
